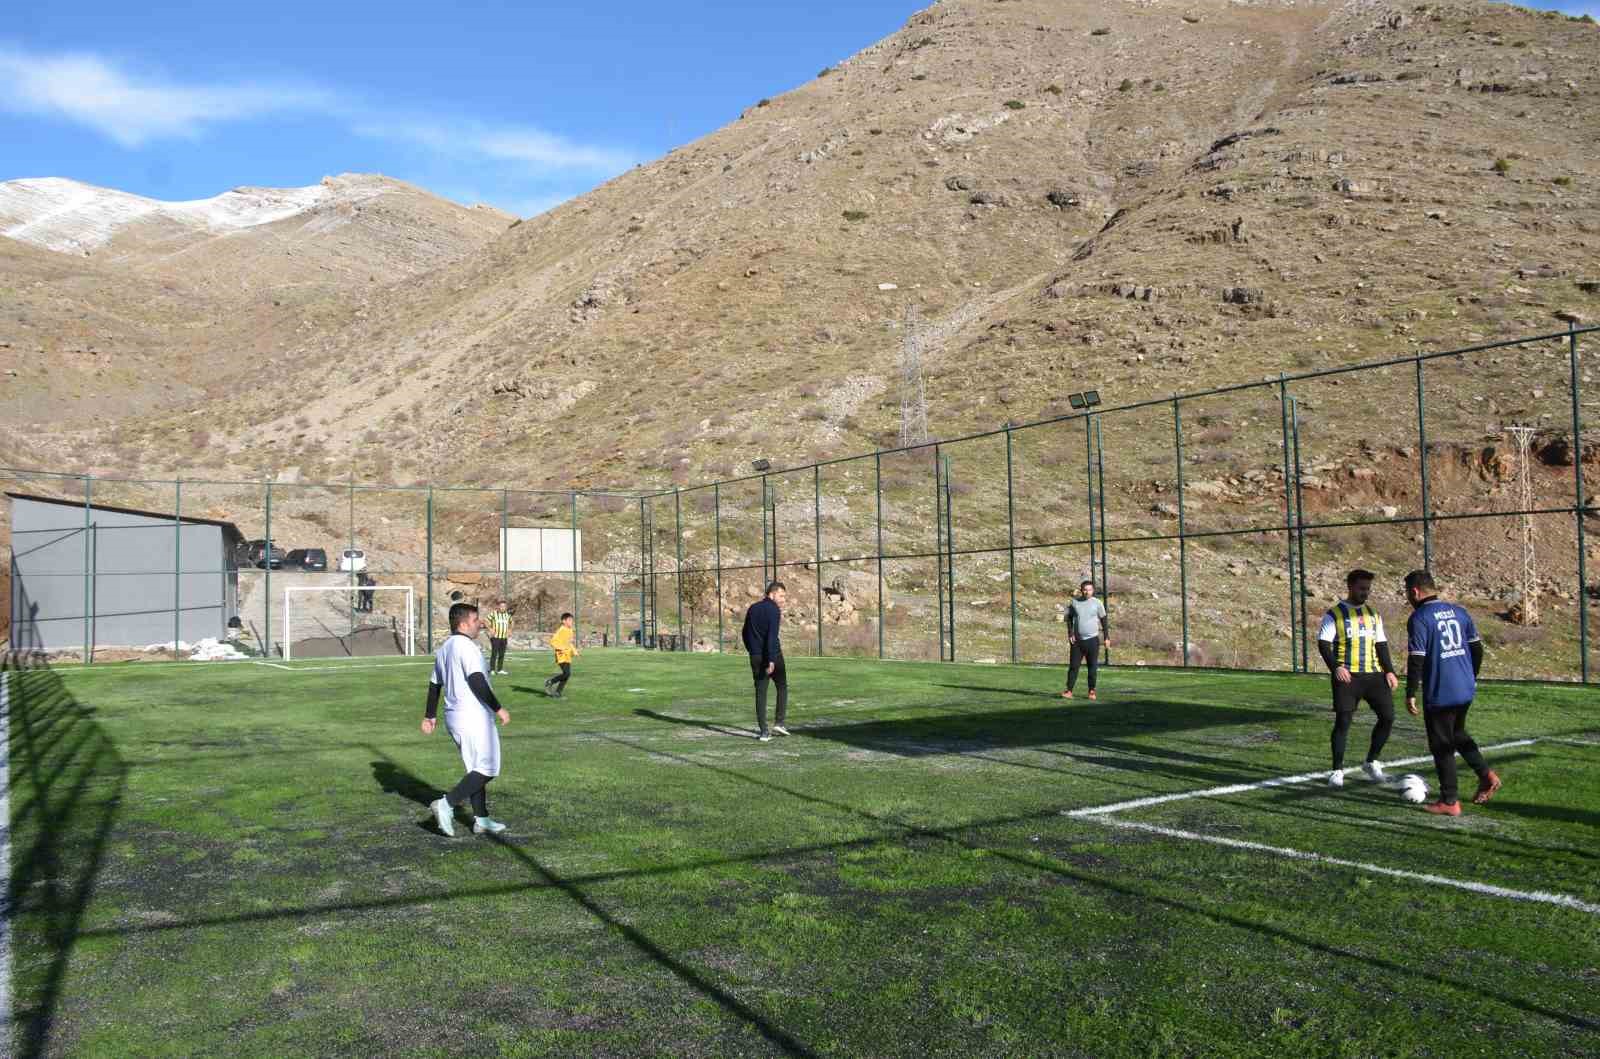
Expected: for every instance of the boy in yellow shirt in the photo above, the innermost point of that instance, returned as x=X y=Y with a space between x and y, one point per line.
x=565 y=644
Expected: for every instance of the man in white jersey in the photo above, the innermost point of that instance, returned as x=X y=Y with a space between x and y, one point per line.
x=470 y=710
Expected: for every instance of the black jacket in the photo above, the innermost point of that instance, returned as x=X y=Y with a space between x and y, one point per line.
x=760 y=632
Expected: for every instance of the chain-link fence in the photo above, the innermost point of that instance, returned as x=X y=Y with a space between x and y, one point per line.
x=1217 y=526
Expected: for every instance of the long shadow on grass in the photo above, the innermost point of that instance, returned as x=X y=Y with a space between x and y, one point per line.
x=394 y=777
x=1037 y=862
x=66 y=784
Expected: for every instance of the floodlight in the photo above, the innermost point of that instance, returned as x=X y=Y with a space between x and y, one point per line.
x=1075 y=400
x=1091 y=397
x=762 y=464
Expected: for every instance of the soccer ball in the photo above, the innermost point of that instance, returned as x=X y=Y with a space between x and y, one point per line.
x=1413 y=788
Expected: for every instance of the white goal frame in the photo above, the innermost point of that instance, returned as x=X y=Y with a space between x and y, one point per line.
x=411 y=610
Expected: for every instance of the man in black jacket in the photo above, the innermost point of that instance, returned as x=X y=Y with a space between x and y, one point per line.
x=760 y=636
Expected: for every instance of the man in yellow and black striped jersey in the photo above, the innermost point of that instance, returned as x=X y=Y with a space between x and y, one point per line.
x=1356 y=652
x=499 y=625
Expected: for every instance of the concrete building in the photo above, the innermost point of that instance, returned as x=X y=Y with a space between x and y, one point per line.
x=109 y=575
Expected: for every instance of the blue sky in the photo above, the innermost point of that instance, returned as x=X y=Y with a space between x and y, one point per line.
x=521 y=105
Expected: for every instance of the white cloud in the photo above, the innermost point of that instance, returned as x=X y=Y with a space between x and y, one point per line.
x=133 y=109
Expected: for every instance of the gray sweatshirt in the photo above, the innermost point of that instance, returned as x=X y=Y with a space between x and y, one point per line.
x=1085 y=617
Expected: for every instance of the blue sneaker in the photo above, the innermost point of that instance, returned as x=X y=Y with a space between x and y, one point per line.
x=444 y=816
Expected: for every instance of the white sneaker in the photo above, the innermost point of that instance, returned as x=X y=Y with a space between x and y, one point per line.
x=1336 y=778
x=765 y=737
x=444 y=817
x=483 y=825
x=1374 y=771
x=779 y=729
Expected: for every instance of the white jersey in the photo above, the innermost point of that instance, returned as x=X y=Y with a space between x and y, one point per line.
x=468 y=720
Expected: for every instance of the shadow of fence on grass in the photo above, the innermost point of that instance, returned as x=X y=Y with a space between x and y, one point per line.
x=66 y=780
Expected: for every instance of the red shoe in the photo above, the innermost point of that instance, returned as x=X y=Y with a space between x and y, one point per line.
x=1091 y=693
x=1486 y=788
x=1067 y=694
x=1444 y=809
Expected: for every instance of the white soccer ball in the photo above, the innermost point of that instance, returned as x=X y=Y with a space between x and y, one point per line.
x=1413 y=788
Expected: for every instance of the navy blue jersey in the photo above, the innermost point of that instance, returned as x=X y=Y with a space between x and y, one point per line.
x=1439 y=635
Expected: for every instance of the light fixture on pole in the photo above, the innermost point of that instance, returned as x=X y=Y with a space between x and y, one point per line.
x=762 y=464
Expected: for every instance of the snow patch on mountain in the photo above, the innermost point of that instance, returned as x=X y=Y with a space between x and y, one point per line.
x=70 y=217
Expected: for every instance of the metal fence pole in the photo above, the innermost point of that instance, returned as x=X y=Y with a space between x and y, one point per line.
x=1288 y=522
x=1299 y=551
x=577 y=562
x=430 y=570
x=351 y=597
x=266 y=562
x=644 y=570
x=1577 y=485
x=1183 y=540
x=816 y=517
x=716 y=523
x=505 y=544
x=677 y=512
x=88 y=564
x=1088 y=479
x=1105 y=565
x=1422 y=455
x=766 y=577
x=1011 y=543
x=877 y=490
x=939 y=541
x=950 y=553
x=177 y=562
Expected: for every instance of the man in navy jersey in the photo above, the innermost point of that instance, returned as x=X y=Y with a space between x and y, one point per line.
x=1445 y=656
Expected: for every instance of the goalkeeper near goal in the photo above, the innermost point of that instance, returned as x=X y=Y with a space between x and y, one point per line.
x=470 y=712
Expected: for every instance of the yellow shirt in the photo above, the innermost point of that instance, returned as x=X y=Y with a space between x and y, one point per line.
x=563 y=643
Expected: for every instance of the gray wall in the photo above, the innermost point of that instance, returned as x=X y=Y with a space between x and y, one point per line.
x=133 y=560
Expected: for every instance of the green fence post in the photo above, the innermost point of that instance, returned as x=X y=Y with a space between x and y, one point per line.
x=505 y=544
x=950 y=553
x=939 y=541
x=429 y=557
x=1183 y=540
x=644 y=571
x=1288 y=520
x=577 y=562
x=1577 y=485
x=716 y=530
x=1299 y=551
x=1088 y=480
x=766 y=498
x=1011 y=543
x=1105 y=565
x=266 y=561
x=1422 y=455
x=88 y=566
x=816 y=518
x=877 y=491
x=677 y=511
x=177 y=561
x=351 y=598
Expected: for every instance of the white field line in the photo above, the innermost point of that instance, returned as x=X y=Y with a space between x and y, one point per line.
x=1540 y=896
x=5 y=864
x=341 y=668
x=1240 y=788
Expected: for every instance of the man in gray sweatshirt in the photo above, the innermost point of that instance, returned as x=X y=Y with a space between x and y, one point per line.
x=1086 y=630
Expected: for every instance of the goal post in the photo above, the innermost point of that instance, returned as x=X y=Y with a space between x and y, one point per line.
x=339 y=613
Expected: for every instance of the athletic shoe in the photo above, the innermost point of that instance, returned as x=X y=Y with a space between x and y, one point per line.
x=1444 y=809
x=1374 y=771
x=443 y=815
x=765 y=737
x=547 y=686
x=483 y=825
x=1067 y=694
x=1336 y=778
x=779 y=729
x=1091 y=693
x=1486 y=788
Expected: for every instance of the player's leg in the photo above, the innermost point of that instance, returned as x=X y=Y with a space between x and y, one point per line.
x=1467 y=747
x=561 y=680
x=759 y=673
x=1091 y=658
x=1381 y=699
x=1441 y=726
x=780 y=681
x=1075 y=659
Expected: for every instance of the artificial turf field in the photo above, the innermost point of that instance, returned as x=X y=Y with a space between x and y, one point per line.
x=234 y=859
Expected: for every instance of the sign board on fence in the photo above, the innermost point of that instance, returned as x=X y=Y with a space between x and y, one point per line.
x=541 y=549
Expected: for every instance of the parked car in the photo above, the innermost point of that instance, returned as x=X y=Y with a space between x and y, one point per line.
x=308 y=559
x=352 y=561
x=263 y=554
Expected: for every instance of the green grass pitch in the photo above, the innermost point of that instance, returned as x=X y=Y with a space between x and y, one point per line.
x=237 y=860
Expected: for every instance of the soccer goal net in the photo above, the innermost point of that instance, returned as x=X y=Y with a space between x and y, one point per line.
x=347 y=621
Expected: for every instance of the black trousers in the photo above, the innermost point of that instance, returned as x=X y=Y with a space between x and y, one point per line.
x=497 y=654
x=1084 y=651
x=471 y=788
x=559 y=681
x=779 y=678
x=1346 y=698
x=1447 y=737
